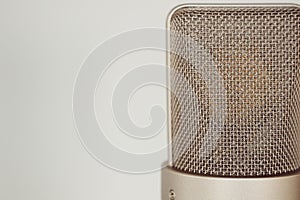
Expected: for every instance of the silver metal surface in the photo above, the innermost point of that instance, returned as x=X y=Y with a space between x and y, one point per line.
x=182 y=186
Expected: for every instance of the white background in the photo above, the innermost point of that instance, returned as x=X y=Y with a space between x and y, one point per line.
x=42 y=46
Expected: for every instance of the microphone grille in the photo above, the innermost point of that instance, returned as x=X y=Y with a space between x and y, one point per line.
x=244 y=121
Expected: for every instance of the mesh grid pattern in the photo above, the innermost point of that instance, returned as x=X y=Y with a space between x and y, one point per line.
x=256 y=51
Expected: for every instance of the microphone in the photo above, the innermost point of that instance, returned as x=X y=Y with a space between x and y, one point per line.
x=234 y=103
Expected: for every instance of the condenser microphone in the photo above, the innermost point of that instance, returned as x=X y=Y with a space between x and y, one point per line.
x=234 y=103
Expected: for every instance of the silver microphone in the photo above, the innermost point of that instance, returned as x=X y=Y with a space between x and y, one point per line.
x=234 y=103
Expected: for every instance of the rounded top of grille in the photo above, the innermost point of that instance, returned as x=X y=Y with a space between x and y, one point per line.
x=248 y=122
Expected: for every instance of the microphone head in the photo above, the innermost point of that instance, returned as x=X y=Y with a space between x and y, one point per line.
x=235 y=100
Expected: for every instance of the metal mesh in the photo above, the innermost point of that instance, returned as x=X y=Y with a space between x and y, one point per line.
x=256 y=51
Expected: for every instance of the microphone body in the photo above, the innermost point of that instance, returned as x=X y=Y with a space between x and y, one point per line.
x=234 y=103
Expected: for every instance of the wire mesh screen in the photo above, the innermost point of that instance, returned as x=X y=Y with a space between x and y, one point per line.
x=256 y=53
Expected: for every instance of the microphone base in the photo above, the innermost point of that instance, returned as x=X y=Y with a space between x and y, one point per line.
x=182 y=186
